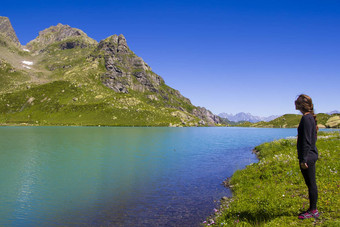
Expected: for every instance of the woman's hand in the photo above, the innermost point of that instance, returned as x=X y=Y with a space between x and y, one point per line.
x=303 y=165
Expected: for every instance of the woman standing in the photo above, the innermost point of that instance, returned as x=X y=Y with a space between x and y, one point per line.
x=307 y=151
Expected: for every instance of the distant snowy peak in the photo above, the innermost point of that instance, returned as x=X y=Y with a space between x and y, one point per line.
x=333 y=112
x=246 y=117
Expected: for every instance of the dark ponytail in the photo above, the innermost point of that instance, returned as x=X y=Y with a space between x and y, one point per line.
x=316 y=120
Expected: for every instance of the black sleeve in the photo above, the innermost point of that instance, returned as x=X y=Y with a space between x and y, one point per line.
x=306 y=139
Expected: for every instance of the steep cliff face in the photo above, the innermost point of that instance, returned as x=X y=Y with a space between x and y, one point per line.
x=207 y=116
x=128 y=72
x=7 y=31
x=124 y=69
x=74 y=76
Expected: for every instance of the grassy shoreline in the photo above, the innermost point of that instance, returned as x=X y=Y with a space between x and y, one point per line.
x=272 y=192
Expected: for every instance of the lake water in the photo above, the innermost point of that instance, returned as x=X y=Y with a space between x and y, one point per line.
x=110 y=176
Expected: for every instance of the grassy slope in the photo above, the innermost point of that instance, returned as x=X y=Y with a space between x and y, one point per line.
x=9 y=77
x=10 y=60
x=65 y=103
x=272 y=192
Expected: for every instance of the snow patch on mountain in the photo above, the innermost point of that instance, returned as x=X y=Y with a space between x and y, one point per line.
x=27 y=62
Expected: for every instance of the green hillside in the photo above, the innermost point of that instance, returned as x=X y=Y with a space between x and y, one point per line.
x=293 y=120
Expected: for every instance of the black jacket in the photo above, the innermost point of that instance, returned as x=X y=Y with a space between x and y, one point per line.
x=307 y=151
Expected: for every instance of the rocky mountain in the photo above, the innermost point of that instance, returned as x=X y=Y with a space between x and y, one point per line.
x=75 y=37
x=7 y=31
x=64 y=77
x=246 y=117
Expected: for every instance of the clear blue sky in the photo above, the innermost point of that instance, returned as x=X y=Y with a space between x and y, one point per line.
x=226 y=55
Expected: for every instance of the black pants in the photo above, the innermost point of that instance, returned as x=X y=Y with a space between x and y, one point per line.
x=309 y=175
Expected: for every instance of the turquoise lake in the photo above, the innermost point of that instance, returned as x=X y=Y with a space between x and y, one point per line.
x=119 y=176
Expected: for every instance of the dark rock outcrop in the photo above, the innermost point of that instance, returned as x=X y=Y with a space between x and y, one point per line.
x=72 y=44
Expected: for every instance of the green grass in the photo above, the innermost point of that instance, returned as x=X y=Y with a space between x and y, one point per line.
x=65 y=103
x=322 y=118
x=272 y=192
x=10 y=77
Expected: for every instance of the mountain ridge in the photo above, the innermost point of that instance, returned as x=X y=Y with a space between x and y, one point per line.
x=59 y=33
x=241 y=116
x=64 y=77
